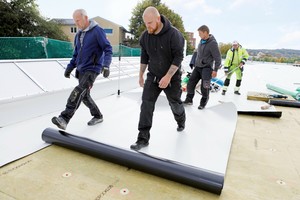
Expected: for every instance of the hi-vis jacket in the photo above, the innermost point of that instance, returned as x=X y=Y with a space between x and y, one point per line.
x=242 y=56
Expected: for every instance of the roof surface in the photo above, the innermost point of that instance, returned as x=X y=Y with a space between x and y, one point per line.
x=263 y=161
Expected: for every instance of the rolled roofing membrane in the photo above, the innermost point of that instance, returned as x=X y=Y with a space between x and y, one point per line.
x=286 y=103
x=189 y=175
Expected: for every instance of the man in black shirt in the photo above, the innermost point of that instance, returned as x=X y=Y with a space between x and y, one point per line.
x=162 y=52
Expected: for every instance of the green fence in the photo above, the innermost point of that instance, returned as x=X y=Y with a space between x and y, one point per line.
x=33 y=47
x=40 y=47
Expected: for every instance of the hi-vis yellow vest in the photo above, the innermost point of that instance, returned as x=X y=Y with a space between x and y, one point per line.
x=242 y=56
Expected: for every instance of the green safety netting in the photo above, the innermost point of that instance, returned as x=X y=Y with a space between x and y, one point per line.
x=125 y=51
x=41 y=47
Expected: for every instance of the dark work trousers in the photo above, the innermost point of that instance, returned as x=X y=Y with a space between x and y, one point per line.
x=151 y=92
x=82 y=93
x=205 y=75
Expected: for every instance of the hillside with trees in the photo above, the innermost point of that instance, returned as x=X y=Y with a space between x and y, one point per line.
x=275 y=55
x=267 y=55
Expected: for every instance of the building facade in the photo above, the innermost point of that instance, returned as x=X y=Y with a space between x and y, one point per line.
x=191 y=39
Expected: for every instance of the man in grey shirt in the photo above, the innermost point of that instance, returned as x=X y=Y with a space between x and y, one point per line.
x=207 y=63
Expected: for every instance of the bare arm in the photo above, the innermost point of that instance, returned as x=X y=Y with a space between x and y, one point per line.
x=173 y=69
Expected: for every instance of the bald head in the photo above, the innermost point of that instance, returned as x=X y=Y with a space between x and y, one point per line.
x=151 y=11
x=152 y=20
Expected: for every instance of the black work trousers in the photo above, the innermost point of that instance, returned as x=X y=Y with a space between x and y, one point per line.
x=81 y=93
x=150 y=94
x=205 y=75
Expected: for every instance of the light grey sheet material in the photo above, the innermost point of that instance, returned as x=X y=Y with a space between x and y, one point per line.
x=205 y=143
x=14 y=83
x=49 y=75
x=22 y=139
x=38 y=105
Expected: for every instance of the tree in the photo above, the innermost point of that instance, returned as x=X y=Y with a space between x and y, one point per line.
x=21 y=18
x=137 y=26
x=224 y=47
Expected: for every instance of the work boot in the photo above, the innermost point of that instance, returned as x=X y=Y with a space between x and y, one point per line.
x=60 y=122
x=180 y=127
x=95 y=121
x=201 y=107
x=139 y=144
x=237 y=92
x=188 y=102
x=203 y=103
x=223 y=92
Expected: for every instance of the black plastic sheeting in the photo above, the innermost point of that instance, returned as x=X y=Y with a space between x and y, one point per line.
x=286 y=103
x=179 y=172
x=275 y=114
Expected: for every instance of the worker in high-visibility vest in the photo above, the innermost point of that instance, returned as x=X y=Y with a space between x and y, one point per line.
x=234 y=63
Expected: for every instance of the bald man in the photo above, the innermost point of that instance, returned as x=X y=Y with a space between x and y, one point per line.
x=92 y=56
x=161 y=53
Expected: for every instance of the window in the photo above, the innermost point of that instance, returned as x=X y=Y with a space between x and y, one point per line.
x=108 y=31
x=73 y=29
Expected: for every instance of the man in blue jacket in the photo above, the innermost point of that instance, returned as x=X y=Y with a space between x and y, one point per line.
x=92 y=56
x=162 y=52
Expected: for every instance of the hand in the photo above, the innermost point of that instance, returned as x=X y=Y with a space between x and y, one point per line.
x=214 y=74
x=77 y=74
x=226 y=70
x=164 y=82
x=242 y=68
x=105 y=71
x=141 y=81
x=68 y=72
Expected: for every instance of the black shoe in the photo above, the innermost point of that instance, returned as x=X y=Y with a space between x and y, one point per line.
x=223 y=92
x=60 y=122
x=237 y=92
x=188 y=102
x=180 y=128
x=201 y=107
x=95 y=121
x=138 y=145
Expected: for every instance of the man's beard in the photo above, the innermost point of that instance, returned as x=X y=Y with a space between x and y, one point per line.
x=152 y=31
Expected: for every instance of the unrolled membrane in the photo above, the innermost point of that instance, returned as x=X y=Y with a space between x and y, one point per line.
x=179 y=172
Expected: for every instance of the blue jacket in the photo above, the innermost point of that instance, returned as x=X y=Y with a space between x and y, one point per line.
x=92 y=50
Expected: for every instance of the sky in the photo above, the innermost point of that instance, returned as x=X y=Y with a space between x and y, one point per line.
x=255 y=24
